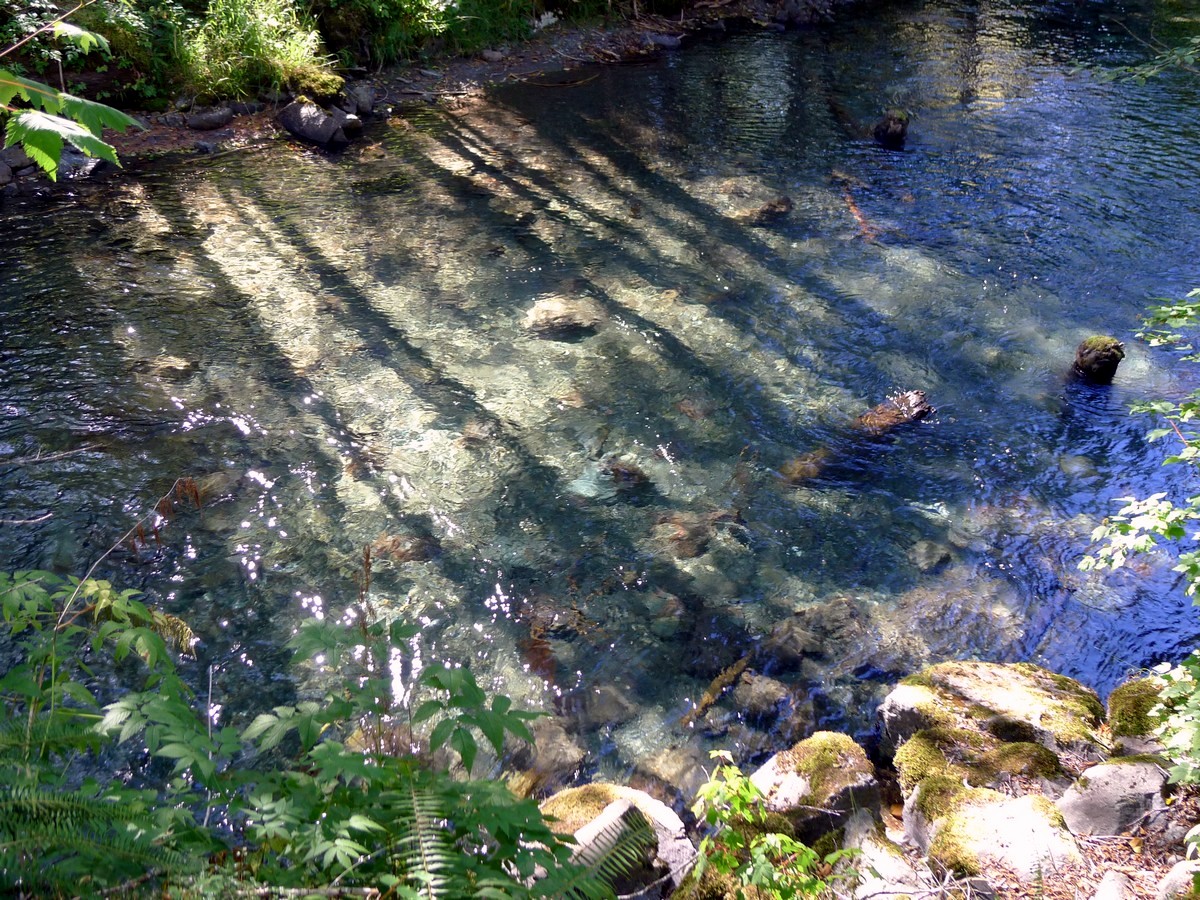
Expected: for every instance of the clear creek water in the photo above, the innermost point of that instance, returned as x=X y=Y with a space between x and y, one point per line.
x=338 y=350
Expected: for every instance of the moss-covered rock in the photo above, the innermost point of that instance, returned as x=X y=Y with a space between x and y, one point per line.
x=939 y=751
x=1018 y=700
x=1022 y=758
x=1129 y=708
x=818 y=783
x=574 y=808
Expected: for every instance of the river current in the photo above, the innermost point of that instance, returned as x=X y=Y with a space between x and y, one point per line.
x=601 y=520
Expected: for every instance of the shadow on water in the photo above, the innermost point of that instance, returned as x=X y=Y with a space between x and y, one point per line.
x=341 y=351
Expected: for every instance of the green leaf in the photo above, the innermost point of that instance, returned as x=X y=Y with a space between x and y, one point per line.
x=36 y=94
x=85 y=40
x=42 y=136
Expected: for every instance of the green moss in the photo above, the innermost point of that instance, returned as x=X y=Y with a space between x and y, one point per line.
x=948 y=850
x=1101 y=342
x=575 y=807
x=929 y=752
x=940 y=795
x=829 y=761
x=1028 y=759
x=920 y=679
x=1051 y=812
x=1129 y=708
x=709 y=886
x=1073 y=712
x=1134 y=758
x=829 y=842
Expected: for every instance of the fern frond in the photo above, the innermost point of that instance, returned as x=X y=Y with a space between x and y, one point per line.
x=426 y=852
x=606 y=857
x=48 y=734
x=55 y=838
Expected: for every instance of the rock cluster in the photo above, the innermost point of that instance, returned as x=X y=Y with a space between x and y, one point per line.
x=1002 y=770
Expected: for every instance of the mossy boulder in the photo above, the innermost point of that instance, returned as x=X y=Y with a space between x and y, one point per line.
x=1129 y=708
x=1015 y=701
x=965 y=830
x=818 y=783
x=575 y=808
x=1097 y=358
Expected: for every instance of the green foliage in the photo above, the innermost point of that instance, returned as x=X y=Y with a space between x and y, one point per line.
x=330 y=790
x=247 y=46
x=744 y=843
x=1142 y=523
x=52 y=116
x=382 y=31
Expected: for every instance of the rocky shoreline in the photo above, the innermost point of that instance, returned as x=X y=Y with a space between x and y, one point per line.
x=553 y=53
x=985 y=780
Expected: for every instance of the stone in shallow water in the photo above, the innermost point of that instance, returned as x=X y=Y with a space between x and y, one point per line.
x=563 y=317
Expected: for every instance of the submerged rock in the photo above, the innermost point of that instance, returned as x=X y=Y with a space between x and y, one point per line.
x=563 y=317
x=770 y=212
x=309 y=122
x=898 y=409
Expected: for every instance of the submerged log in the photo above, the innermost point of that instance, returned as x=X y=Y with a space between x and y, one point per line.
x=1097 y=358
x=896 y=410
x=878 y=422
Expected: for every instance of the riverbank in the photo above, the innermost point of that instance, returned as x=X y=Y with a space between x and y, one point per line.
x=552 y=53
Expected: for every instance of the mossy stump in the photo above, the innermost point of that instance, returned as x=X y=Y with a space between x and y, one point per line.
x=1097 y=358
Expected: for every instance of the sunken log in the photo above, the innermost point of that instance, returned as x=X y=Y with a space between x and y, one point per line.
x=1097 y=358
x=877 y=422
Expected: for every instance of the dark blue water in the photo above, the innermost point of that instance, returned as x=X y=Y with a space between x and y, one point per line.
x=340 y=352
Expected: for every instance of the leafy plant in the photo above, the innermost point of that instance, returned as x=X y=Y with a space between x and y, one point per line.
x=245 y=46
x=337 y=790
x=54 y=116
x=1142 y=524
x=751 y=846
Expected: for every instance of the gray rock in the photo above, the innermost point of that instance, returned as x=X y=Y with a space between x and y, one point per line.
x=350 y=124
x=1179 y=882
x=362 y=95
x=790 y=643
x=210 y=119
x=608 y=705
x=665 y=41
x=928 y=556
x=1113 y=886
x=1110 y=798
x=885 y=873
x=760 y=696
x=818 y=783
x=493 y=56
x=682 y=768
x=575 y=807
x=15 y=158
x=25 y=171
x=563 y=317
x=597 y=839
x=6 y=174
x=309 y=122
x=981 y=828
x=246 y=107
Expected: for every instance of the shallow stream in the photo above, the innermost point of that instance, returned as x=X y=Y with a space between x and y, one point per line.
x=339 y=350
